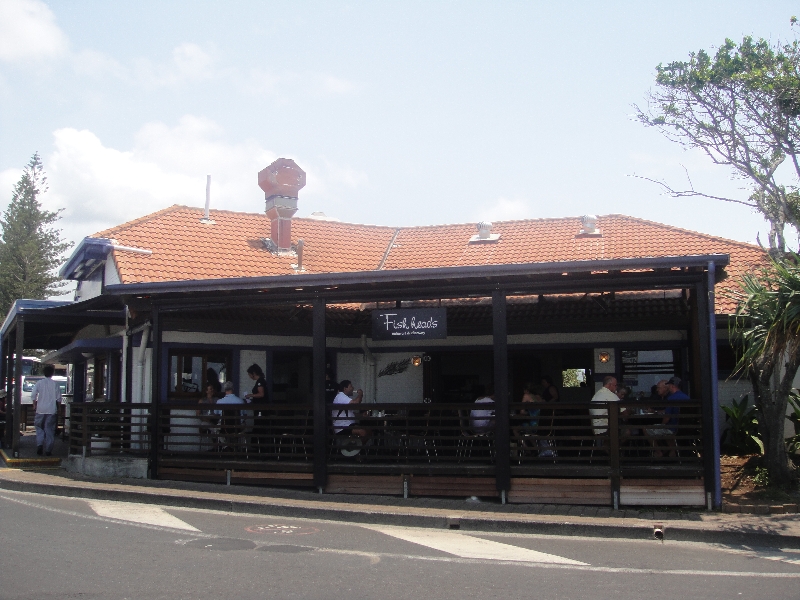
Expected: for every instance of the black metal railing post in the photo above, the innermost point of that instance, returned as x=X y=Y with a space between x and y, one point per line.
x=318 y=391
x=502 y=414
x=19 y=337
x=155 y=411
x=613 y=452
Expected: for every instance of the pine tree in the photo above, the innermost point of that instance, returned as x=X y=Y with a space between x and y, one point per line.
x=30 y=247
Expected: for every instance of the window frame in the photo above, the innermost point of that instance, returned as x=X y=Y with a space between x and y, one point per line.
x=204 y=354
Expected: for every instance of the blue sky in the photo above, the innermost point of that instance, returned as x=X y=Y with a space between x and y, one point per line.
x=402 y=113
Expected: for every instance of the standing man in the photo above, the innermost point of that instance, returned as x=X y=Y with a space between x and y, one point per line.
x=46 y=397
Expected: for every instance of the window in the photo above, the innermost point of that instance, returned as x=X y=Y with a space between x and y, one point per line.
x=573 y=378
x=191 y=370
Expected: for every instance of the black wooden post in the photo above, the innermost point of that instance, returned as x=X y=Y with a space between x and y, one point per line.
x=155 y=393
x=318 y=396
x=502 y=418
x=613 y=453
x=128 y=375
x=19 y=337
x=7 y=383
x=703 y=346
x=9 y=393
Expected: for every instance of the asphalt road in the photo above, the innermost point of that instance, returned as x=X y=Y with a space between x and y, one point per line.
x=65 y=548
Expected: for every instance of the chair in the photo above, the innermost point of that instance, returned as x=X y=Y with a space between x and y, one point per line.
x=296 y=436
x=418 y=440
x=232 y=436
x=468 y=438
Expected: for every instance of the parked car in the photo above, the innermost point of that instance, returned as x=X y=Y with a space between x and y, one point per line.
x=29 y=381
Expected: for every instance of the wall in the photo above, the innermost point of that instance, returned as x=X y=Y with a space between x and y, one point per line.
x=111 y=275
x=401 y=387
x=136 y=383
x=247 y=358
x=352 y=366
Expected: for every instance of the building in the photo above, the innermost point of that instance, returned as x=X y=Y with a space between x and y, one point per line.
x=574 y=299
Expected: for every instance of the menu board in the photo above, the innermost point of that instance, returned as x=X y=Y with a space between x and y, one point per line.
x=409 y=323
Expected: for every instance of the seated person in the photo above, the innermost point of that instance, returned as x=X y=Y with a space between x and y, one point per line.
x=231 y=422
x=481 y=421
x=530 y=426
x=669 y=424
x=344 y=421
x=607 y=393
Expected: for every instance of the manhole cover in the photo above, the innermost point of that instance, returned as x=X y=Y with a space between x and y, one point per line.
x=283 y=529
x=222 y=544
x=286 y=549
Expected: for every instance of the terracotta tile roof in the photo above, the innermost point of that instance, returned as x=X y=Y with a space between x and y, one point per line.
x=183 y=248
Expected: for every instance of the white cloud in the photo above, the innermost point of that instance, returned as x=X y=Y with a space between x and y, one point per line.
x=506 y=209
x=345 y=175
x=336 y=85
x=99 y=186
x=97 y=64
x=28 y=32
x=189 y=64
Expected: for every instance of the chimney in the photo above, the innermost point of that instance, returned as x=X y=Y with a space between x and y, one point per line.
x=281 y=181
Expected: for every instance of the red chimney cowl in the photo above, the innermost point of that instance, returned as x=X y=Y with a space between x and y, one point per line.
x=281 y=182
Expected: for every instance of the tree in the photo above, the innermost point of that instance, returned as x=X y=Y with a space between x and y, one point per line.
x=741 y=109
x=767 y=327
x=30 y=247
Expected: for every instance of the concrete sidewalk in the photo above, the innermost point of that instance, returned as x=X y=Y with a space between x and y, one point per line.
x=711 y=527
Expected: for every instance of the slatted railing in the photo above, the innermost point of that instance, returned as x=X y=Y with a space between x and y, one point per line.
x=109 y=428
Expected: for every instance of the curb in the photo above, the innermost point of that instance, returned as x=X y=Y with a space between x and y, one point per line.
x=455 y=520
x=18 y=463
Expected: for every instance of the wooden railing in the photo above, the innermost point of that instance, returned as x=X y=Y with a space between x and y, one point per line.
x=412 y=434
x=109 y=428
x=614 y=440
x=236 y=431
x=624 y=437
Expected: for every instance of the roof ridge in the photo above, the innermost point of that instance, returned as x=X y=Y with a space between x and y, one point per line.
x=689 y=231
x=312 y=220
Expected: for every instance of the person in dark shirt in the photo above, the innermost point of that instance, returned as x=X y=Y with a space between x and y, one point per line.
x=259 y=394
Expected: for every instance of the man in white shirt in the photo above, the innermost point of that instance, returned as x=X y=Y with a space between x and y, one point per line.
x=482 y=420
x=46 y=396
x=607 y=393
x=344 y=420
x=229 y=397
x=230 y=426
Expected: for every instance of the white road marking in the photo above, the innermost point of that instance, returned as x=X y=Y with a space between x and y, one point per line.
x=466 y=546
x=148 y=514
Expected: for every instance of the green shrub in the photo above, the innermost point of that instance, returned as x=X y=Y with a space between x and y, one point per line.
x=761 y=478
x=741 y=435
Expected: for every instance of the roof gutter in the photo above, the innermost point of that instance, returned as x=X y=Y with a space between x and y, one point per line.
x=492 y=272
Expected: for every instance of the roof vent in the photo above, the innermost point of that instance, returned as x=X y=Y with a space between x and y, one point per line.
x=484 y=233
x=206 y=220
x=589 y=224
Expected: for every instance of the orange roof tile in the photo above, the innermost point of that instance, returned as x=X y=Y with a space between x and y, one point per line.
x=184 y=248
